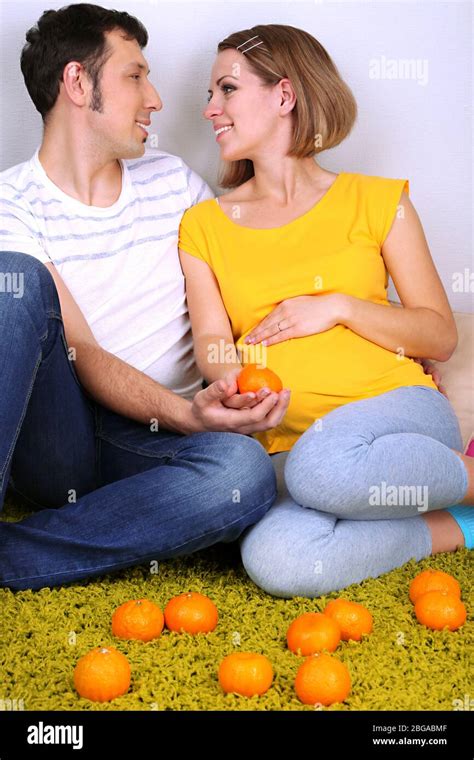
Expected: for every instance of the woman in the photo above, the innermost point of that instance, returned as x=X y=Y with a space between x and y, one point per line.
x=295 y=259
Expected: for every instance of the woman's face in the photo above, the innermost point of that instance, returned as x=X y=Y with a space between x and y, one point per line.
x=238 y=100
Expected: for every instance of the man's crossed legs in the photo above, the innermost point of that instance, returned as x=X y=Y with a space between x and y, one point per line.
x=110 y=492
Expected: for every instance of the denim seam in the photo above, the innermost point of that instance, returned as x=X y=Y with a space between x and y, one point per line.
x=135 y=559
x=30 y=501
x=136 y=450
x=25 y=407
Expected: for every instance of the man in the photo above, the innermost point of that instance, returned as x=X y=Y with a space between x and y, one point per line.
x=106 y=430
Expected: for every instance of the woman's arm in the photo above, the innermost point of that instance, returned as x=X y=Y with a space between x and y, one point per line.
x=425 y=327
x=214 y=347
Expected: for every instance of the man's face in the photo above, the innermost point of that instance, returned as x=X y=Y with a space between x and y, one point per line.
x=127 y=97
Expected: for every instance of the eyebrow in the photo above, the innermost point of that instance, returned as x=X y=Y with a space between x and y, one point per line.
x=136 y=63
x=223 y=77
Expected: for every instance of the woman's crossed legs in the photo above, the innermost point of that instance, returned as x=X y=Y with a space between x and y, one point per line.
x=360 y=493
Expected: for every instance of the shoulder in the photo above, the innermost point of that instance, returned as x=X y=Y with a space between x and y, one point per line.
x=160 y=166
x=19 y=189
x=154 y=164
x=16 y=179
x=375 y=184
x=200 y=213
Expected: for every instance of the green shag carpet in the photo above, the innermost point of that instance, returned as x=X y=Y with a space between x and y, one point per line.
x=401 y=666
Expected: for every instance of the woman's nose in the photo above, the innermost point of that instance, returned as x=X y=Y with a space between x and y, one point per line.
x=211 y=110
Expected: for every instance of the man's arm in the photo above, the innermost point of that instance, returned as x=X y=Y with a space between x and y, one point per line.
x=130 y=392
x=111 y=381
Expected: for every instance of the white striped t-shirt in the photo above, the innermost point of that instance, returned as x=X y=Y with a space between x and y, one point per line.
x=120 y=263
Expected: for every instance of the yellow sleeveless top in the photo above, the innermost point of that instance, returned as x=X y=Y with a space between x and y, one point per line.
x=334 y=248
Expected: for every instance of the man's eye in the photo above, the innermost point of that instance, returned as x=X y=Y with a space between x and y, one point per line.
x=135 y=76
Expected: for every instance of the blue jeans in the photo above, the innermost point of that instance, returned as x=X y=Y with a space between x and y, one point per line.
x=109 y=492
x=352 y=492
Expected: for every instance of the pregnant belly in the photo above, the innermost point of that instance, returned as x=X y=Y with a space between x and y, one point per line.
x=336 y=363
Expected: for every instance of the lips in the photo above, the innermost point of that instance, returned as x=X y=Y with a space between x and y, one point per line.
x=142 y=125
x=222 y=129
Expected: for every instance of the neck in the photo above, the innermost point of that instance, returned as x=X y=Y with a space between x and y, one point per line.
x=78 y=166
x=286 y=180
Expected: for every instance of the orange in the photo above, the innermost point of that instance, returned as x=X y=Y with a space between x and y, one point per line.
x=312 y=632
x=322 y=679
x=192 y=613
x=245 y=673
x=102 y=674
x=252 y=378
x=354 y=619
x=438 y=610
x=138 y=619
x=433 y=580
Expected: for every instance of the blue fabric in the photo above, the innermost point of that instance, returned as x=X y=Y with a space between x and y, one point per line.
x=464 y=517
x=109 y=492
x=352 y=492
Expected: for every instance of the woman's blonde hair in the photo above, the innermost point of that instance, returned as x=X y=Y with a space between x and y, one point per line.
x=325 y=109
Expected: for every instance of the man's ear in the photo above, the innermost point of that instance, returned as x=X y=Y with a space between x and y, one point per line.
x=76 y=84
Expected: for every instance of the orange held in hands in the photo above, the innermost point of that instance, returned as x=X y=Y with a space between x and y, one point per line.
x=322 y=679
x=252 y=379
x=245 y=673
x=438 y=610
x=313 y=632
x=102 y=674
x=354 y=619
x=433 y=580
x=138 y=619
x=191 y=613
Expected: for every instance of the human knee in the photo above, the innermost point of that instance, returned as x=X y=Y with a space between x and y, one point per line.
x=277 y=566
x=25 y=278
x=248 y=471
x=310 y=481
x=262 y=557
x=327 y=481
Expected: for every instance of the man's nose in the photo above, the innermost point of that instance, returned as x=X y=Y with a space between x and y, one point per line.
x=153 y=99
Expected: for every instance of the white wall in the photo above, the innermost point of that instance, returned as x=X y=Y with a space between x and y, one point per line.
x=418 y=125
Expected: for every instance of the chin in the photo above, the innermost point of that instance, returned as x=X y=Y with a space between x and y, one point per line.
x=134 y=150
x=232 y=155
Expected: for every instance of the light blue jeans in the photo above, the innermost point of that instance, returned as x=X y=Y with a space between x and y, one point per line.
x=352 y=492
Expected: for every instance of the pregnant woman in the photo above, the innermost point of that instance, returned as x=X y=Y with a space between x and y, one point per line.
x=294 y=261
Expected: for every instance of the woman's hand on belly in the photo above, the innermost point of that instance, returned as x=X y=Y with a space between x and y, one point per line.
x=298 y=317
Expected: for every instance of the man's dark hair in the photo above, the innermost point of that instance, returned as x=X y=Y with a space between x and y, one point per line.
x=72 y=33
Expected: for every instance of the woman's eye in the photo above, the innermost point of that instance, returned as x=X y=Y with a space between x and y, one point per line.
x=224 y=87
x=135 y=76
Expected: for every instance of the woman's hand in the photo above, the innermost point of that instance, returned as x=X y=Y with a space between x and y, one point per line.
x=430 y=369
x=297 y=317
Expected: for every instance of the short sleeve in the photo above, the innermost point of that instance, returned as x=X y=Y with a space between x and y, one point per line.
x=386 y=199
x=192 y=236
x=18 y=228
x=198 y=189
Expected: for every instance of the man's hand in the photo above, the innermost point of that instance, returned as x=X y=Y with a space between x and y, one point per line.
x=430 y=369
x=219 y=407
x=242 y=400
